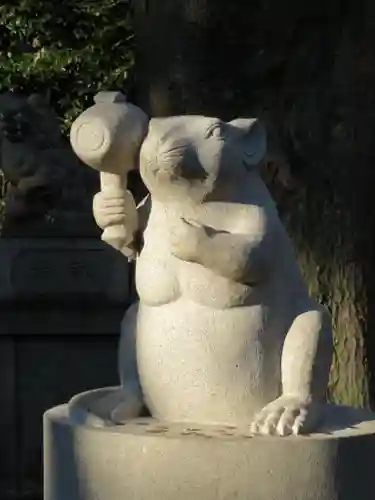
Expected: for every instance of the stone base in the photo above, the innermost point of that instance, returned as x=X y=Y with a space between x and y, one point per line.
x=151 y=460
x=63 y=270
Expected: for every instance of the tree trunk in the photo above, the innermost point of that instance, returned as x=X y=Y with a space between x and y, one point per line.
x=308 y=69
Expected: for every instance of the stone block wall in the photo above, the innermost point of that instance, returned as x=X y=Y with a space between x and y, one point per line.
x=61 y=304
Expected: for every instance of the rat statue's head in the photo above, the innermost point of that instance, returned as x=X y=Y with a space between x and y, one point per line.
x=190 y=157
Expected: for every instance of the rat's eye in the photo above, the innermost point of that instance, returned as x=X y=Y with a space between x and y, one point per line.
x=216 y=130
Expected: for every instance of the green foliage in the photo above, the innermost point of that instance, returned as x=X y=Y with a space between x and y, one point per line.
x=65 y=49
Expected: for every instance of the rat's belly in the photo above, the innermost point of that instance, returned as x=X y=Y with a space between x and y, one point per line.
x=162 y=279
x=207 y=288
x=156 y=279
x=199 y=364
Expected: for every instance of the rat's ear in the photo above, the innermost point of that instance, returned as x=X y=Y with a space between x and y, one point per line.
x=252 y=135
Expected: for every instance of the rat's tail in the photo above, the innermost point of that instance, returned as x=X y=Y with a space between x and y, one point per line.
x=105 y=407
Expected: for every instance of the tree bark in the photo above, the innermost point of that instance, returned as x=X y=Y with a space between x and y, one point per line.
x=308 y=69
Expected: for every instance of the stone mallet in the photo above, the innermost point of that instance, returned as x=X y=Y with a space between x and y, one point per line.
x=108 y=137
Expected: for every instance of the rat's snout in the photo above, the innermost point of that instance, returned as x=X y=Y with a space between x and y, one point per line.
x=181 y=161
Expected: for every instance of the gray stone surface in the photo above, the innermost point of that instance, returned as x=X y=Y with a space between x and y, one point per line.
x=36 y=373
x=51 y=370
x=48 y=319
x=8 y=422
x=61 y=306
x=148 y=459
x=62 y=269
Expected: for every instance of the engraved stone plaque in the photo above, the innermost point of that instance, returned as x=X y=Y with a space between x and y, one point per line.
x=62 y=270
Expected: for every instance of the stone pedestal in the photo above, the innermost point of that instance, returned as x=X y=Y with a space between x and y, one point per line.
x=62 y=269
x=148 y=459
x=61 y=304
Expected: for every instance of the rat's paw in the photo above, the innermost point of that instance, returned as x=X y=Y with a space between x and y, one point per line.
x=185 y=239
x=113 y=207
x=285 y=416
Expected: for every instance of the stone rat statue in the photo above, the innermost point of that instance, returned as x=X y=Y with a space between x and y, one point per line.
x=225 y=331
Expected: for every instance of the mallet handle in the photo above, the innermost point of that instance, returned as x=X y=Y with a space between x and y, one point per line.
x=115 y=235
